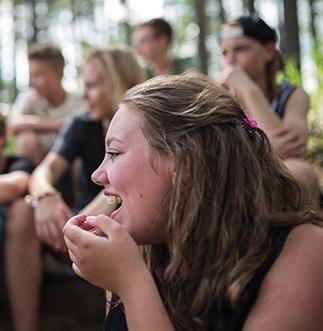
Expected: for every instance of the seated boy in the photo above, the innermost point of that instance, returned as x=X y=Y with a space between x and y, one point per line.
x=14 y=180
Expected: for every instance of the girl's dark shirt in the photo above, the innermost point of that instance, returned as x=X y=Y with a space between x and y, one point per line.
x=279 y=103
x=234 y=320
x=82 y=138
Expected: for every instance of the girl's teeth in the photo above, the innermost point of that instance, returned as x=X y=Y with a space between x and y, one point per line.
x=113 y=199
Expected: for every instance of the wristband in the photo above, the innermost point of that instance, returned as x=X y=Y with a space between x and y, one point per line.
x=34 y=201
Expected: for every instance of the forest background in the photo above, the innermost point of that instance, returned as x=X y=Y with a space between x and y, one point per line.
x=76 y=25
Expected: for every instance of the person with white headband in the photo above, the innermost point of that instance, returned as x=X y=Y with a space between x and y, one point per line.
x=251 y=62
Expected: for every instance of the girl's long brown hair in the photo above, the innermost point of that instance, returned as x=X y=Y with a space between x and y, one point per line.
x=230 y=195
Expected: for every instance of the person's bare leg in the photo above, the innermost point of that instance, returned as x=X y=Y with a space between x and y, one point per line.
x=27 y=144
x=306 y=173
x=23 y=266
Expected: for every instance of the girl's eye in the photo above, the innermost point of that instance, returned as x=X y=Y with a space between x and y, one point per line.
x=243 y=48
x=112 y=154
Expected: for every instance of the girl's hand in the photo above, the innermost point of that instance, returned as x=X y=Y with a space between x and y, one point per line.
x=111 y=260
x=288 y=142
x=236 y=80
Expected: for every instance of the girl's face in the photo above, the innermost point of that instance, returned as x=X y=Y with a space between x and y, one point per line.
x=127 y=172
x=96 y=92
x=248 y=53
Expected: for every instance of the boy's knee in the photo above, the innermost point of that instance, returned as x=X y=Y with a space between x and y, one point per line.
x=20 y=219
x=27 y=137
x=28 y=144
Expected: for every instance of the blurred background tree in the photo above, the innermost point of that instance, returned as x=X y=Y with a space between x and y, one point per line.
x=76 y=25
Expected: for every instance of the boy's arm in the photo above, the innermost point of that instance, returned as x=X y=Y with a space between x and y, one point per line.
x=47 y=173
x=22 y=122
x=13 y=185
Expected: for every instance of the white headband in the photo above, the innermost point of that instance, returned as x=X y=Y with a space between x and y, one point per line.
x=231 y=32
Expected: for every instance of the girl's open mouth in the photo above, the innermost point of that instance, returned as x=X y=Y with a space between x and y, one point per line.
x=115 y=202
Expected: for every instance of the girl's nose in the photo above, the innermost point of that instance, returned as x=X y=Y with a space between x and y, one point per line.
x=99 y=176
x=230 y=58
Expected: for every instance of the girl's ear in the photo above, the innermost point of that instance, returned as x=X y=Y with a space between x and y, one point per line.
x=270 y=51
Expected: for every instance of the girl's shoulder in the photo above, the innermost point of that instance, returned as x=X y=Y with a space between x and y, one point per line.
x=301 y=252
x=291 y=295
x=304 y=239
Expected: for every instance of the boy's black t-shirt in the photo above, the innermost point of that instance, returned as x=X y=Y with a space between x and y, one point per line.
x=17 y=163
x=82 y=138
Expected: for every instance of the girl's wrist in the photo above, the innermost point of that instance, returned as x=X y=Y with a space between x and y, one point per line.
x=139 y=282
x=144 y=295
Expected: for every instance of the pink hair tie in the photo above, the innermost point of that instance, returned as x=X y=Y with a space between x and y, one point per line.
x=250 y=122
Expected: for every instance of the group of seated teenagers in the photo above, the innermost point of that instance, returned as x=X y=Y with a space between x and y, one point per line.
x=39 y=217
x=58 y=134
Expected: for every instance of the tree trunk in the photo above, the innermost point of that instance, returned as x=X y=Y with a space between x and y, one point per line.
x=312 y=20
x=201 y=20
x=14 y=88
x=127 y=31
x=290 y=34
x=34 y=37
x=221 y=11
x=249 y=5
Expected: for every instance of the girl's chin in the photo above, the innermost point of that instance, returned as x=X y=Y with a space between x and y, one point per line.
x=147 y=239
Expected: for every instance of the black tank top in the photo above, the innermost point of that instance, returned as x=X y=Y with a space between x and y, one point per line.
x=233 y=320
x=116 y=319
x=278 y=104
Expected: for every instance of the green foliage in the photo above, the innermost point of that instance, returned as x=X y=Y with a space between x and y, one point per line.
x=318 y=60
x=315 y=143
x=82 y=8
x=183 y=22
x=291 y=72
x=10 y=148
x=315 y=118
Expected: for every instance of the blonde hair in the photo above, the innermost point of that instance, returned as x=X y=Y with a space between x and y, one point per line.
x=120 y=69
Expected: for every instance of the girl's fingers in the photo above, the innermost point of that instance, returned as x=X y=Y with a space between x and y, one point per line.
x=76 y=234
x=280 y=131
x=69 y=244
x=72 y=256
x=86 y=226
x=76 y=270
x=105 y=224
x=75 y=220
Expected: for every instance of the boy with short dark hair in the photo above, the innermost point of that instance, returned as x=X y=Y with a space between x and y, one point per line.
x=153 y=40
x=39 y=113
